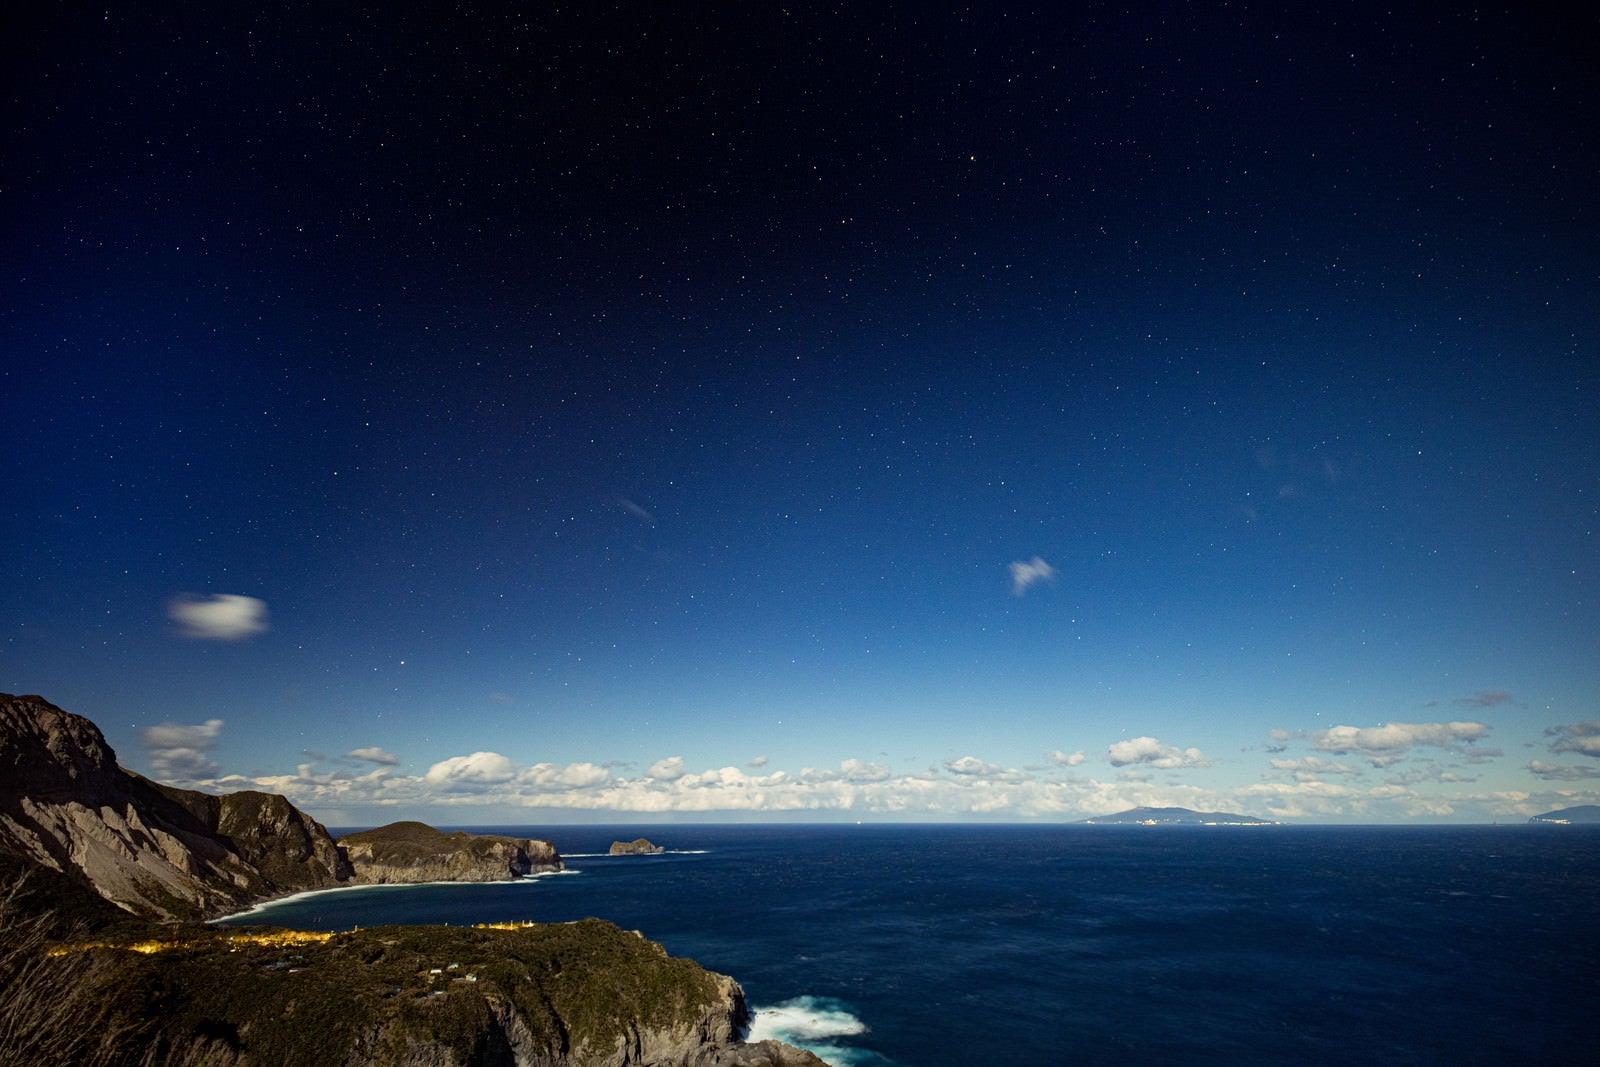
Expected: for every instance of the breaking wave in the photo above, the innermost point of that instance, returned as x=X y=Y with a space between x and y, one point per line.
x=814 y=1023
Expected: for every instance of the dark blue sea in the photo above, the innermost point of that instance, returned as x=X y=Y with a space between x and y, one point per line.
x=921 y=946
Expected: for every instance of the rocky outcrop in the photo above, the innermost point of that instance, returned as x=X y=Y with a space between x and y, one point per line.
x=76 y=830
x=637 y=847
x=408 y=852
x=151 y=849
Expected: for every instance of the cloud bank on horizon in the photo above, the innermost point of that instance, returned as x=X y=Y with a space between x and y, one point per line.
x=1307 y=787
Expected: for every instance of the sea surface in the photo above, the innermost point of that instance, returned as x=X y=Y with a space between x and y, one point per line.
x=921 y=946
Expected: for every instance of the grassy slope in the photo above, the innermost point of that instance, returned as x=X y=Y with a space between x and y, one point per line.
x=572 y=984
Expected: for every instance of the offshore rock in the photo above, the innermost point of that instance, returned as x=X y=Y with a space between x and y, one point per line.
x=154 y=850
x=639 y=846
x=409 y=852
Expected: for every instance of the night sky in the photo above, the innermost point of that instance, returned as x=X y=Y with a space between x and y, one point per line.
x=853 y=411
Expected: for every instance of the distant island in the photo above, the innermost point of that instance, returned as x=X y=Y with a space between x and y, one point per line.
x=1583 y=813
x=638 y=847
x=1175 y=817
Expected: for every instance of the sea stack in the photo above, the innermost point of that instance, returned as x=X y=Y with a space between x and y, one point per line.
x=637 y=847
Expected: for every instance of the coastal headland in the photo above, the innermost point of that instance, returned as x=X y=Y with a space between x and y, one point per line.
x=104 y=958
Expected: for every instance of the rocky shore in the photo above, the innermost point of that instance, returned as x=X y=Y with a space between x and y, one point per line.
x=102 y=959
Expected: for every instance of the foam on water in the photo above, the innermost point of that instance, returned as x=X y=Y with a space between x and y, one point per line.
x=814 y=1023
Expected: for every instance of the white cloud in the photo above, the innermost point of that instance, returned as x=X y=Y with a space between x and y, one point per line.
x=855 y=770
x=972 y=765
x=1150 y=752
x=1026 y=575
x=223 y=617
x=1390 y=743
x=1062 y=759
x=1580 y=737
x=666 y=770
x=373 y=755
x=472 y=772
x=1312 y=767
x=570 y=776
x=177 y=753
x=759 y=761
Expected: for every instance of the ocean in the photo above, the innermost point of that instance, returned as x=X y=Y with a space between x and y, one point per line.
x=928 y=945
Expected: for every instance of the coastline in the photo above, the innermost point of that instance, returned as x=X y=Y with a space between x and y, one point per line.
x=306 y=894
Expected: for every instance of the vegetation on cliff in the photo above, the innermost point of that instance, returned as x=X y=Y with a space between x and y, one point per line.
x=91 y=856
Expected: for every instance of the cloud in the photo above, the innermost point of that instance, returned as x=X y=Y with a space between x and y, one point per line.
x=223 y=617
x=472 y=772
x=373 y=755
x=666 y=770
x=759 y=761
x=972 y=765
x=855 y=770
x=1580 y=737
x=177 y=753
x=1026 y=575
x=1311 y=767
x=634 y=509
x=1486 y=699
x=1391 y=742
x=1150 y=752
x=572 y=776
x=1555 y=772
x=1061 y=759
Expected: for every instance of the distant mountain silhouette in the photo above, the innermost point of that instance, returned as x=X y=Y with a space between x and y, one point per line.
x=1175 y=817
x=1583 y=813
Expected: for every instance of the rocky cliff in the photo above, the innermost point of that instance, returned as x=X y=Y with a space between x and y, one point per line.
x=639 y=846
x=416 y=852
x=153 y=850
x=82 y=982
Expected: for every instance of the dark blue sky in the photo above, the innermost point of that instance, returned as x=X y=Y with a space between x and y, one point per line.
x=836 y=413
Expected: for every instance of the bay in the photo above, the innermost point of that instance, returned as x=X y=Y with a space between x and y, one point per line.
x=925 y=945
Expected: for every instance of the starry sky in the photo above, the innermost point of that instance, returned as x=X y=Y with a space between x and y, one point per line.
x=557 y=413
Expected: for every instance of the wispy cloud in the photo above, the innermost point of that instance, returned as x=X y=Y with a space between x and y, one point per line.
x=759 y=761
x=177 y=753
x=1555 y=772
x=373 y=755
x=1486 y=699
x=1580 y=737
x=1025 y=575
x=635 y=510
x=1149 y=752
x=223 y=617
x=1391 y=742
x=1063 y=759
x=1310 y=767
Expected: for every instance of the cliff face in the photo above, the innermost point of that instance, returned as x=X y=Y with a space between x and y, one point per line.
x=154 y=850
x=561 y=995
x=406 y=852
